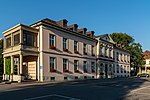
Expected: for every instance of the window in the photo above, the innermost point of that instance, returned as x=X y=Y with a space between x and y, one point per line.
x=85 y=66
x=65 y=48
x=110 y=53
x=92 y=50
x=8 y=42
x=114 y=68
x=144 y=62
x=121 y=69
x=29 y=39
x=75 y=46
x=106 y=52
x=76 y=66
x=93 y=67
x=117 y=68
x=110 y=69
x=101 y=69
x=101 y=51
x=117 y=56
x=52 y=41
x=128 y=69
x=52 y=64
x=84 y=49
x=16 y=39
x=125 y=69
x=65 y=65
x=128 y=58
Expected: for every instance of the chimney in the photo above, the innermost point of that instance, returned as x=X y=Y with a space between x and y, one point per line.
x=82 y=31
x=90 y=34
x=62 y=23
x=73 y=27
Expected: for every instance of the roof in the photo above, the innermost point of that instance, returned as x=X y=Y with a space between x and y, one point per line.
x=147 y=54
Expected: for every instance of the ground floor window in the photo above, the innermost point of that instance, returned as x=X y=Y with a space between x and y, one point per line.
x=76 y=65
x=65 y=65
x=85 y=66
x=52 y=64
x=93 y=67
x=117 y=68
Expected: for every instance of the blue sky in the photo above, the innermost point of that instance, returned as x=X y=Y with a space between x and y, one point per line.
x=102 y=16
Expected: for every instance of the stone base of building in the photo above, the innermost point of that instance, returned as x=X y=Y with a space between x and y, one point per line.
x=63 y=78
x=11 y=78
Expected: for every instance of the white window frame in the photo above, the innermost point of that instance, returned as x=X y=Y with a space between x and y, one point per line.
x=52 y=40
x=54 y=62
x=65 y=43
x=66 y=63
x=76 y=65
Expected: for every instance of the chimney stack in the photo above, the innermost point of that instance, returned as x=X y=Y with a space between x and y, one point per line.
x=90 y=34
x=73 y=27
x=62 y=23
x=82 y=31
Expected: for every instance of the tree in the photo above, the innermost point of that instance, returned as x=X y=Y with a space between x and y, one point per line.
x=8 y=65
x=136 y=54
x=122 y=38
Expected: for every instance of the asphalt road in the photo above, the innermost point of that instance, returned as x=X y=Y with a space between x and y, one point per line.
x=104 y=89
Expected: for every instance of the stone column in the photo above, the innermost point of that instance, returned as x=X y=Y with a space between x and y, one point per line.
x=21 y=62
x=4 y=74
x=20 y=69
x=12 y=68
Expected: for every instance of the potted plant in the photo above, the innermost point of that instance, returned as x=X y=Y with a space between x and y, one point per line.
x=75 y=51
x=93 y=71
x=85 y=71
x=52 y=47
x=65 y=49
x=65 y=70
x=52 y=70
x=76 y=71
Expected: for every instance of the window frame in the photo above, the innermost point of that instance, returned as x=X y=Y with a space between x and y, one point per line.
x=66 y=65
x=76 y=47
x=54 y=64
x=8 y=38
x=16 y=38
x=84 y=48
x=76 y=66
x=65 y=43
x=92 y=66
x=85 y=66
x=52 y=41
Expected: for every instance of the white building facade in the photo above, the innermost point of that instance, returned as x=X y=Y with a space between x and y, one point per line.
x=112 y=61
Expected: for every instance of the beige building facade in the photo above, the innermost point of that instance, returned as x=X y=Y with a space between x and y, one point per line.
x=48 y=50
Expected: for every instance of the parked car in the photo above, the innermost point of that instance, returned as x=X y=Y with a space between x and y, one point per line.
x=143 y=75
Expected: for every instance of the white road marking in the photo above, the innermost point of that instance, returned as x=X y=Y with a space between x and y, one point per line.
x=40 y=97
x=142 y=93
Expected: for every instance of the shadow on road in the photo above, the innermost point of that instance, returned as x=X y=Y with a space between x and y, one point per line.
x=103 y=89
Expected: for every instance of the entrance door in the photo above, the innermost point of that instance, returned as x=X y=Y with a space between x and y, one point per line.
x=32 y=70
x=106 y=70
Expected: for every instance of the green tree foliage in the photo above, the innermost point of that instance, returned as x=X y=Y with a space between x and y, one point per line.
x=136 y=54
x=122 y=38
x=8 y=65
